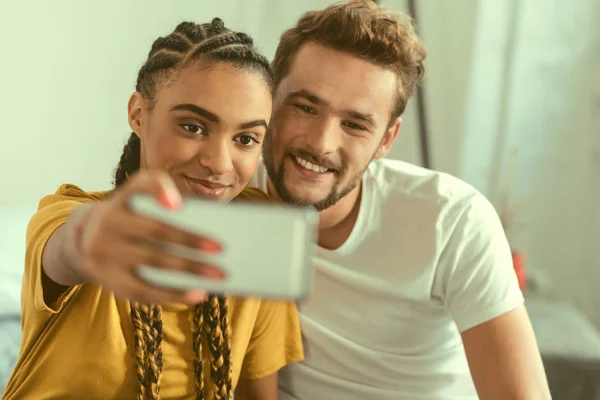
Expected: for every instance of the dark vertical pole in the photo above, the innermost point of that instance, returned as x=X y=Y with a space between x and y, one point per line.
x=420 y=98
x=421 y=109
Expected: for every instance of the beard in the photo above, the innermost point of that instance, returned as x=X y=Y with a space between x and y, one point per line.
x=277 y=175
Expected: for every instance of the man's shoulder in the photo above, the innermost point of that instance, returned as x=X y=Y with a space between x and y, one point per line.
x=404 y=181
x=409 y=192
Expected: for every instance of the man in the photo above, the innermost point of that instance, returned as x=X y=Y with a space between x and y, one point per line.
x=415 y=295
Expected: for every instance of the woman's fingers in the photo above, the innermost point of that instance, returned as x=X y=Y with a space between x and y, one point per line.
x=145 y=229
x=157 y=184
x=128 y=286
x=117 y=240
x=160 y=257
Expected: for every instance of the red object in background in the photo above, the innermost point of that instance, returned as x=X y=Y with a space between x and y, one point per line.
x=519 y=265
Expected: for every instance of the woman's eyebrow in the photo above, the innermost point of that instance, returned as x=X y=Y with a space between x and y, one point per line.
x=215 y=118
x=197 y=110
x=252 y=124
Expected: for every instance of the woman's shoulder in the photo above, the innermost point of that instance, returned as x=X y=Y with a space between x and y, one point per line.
x=70 y=192
x=260 y=308
x=253 y=194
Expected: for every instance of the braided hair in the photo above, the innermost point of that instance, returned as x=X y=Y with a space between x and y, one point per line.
x=188 y=43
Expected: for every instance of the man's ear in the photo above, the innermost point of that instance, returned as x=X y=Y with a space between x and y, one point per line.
x=135 y=113
x=388 y=139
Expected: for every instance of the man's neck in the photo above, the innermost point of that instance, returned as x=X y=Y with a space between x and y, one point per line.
x=336 y=222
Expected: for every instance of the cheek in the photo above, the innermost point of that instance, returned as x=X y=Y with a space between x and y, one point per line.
x=245 y=164
x=288 y=126
x=358 y=152
x=168 y=151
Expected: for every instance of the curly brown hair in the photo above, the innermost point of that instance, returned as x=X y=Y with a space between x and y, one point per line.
x=189 y=42
x=366 y=30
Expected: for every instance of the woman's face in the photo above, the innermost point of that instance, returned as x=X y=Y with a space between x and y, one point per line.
x=205 y=129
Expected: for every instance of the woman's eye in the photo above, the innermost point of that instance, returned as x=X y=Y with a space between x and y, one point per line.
x=247 y=141
x=306 y=109
x=194 y=129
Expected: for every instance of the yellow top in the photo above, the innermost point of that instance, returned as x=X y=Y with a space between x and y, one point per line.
x=81 y=347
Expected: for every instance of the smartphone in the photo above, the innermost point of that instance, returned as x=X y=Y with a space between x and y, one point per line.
x=268 y=249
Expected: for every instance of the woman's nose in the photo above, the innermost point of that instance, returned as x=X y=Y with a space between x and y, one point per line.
x=216 y=155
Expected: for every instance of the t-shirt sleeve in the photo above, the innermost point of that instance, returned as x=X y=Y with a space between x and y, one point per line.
x=276 y=340
x=52 y=213
x=478 y=279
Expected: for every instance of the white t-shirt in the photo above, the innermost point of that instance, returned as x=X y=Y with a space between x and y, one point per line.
x=427 y=259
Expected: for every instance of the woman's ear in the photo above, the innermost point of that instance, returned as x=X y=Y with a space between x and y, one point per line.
x=135 y=113
x=388 y=139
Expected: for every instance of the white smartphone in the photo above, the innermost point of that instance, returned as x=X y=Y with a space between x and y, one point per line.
x=267 y=248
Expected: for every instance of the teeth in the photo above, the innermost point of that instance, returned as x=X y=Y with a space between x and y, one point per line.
x=310 y=166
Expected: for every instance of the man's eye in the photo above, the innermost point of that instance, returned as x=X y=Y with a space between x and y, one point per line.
x=194 y=129
x=357 y=127
x=306 y=109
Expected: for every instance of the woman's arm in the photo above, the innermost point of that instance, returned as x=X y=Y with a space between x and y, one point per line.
x=257 y=389
x=59 y=259
x=276 y=342
x=104 y=241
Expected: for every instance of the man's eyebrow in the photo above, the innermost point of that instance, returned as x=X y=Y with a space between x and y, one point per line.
x=305 y=94
x=313 y=98
x=215 y=118
x=368 y=118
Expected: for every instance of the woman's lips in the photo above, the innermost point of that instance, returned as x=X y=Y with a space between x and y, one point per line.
x=207 y=189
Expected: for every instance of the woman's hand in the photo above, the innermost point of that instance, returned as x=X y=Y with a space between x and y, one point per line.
x=111 y=241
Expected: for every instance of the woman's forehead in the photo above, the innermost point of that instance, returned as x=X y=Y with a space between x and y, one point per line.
x=223 y=89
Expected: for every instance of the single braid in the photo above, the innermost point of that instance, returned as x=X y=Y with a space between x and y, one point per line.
x=226 y=329
x=154 y=351
x=140 y=351
x=197 y=323
x=188 y=43
x=174 y=42
x=130 y=160
x=223 y=40
x=220 y=370
x=153 y=368
x=193 y=32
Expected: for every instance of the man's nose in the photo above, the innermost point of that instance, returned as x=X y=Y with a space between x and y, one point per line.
x=326 y=137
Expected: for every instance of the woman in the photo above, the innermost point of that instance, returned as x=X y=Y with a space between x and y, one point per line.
x=91 y=328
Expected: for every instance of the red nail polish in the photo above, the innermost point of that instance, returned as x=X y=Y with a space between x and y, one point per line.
x=210 y=247
x=170 y=200
x=215 y=273
x=196 y=297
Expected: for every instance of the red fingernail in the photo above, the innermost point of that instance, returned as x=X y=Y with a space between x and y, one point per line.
x=195 y=297
x=170 y=200
x=214 y=273
x=210 y=247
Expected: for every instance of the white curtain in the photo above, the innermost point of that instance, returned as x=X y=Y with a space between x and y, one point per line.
x=532 y=124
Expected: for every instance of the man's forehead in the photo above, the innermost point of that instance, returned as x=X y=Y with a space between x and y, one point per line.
x=340 y=79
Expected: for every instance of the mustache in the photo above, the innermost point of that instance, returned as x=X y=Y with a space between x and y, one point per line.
x=317 y=159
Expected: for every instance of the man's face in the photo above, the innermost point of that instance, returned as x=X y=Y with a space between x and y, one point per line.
x=331 y=117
